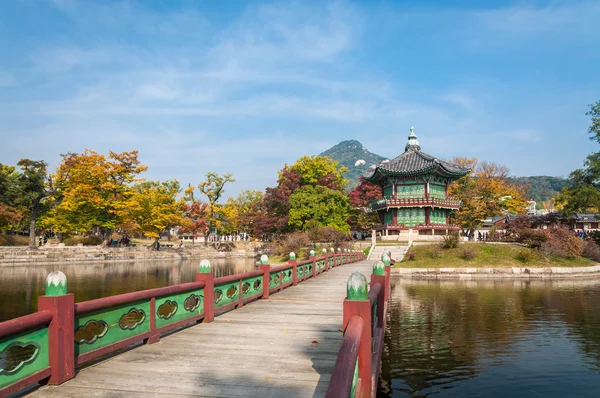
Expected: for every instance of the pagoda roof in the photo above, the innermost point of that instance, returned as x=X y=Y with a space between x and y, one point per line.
x=415 y=162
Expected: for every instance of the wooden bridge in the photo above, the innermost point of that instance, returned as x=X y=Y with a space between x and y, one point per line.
x=311 y=332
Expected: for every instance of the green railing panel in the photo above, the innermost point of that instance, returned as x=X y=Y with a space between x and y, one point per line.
x=101 y=328
x=287 y=276
x=320 y=265
x=252 y=286
x=309 y=269
x=300 y=270
x=274 y=280
x=226 y=294
x=330 y=262
x=177 y=307
x=23 y=355
x=354 y=380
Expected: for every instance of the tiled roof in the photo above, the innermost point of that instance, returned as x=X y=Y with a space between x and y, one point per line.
x=414 y=161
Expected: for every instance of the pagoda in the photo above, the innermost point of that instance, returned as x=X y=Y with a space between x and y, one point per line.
x=415 y=193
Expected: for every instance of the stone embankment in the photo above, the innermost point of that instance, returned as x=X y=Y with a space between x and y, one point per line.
x=513 y=272
x=26 y=256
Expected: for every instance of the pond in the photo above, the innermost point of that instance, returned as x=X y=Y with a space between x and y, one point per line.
x=21 y=286
x=492 y=338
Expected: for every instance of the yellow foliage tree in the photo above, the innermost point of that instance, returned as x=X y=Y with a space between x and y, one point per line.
x=485 y=192
x=91 y=191
x=153 y=206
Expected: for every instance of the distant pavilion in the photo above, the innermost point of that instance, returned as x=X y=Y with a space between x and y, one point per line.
x=415 y=193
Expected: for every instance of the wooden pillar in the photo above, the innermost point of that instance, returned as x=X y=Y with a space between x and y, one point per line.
x=265 y=267
x=357 y=303
x=207 y=275
x=292 y=261
x=61 y=331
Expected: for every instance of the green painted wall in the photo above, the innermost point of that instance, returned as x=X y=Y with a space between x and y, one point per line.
x=226 y=294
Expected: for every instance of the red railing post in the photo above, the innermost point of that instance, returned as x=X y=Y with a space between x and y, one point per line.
x=61 y=333
x=207 y=275
x=379 y=276
x=357 y=303
x=292 y=261
x=155 y=338
x=385 y=258
x=266 y=269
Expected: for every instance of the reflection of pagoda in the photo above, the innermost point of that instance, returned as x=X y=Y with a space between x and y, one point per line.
x=415 y=192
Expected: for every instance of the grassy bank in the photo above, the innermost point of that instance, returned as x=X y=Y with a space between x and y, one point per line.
x=480 y=255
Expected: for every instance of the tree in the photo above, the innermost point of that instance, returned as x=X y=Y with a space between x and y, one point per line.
x=213 y=188
x=594 y=128
x=485 y=192
x=92 y=191
x=153 y=206
x=308 y=171
x=10 y=215
x=312 y=206
x=196 y=214
x=584 y=193
x=362 y=218
x=22 y=192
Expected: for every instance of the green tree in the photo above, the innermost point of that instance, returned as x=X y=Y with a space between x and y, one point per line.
x=10 y=214
x=584 y=193
x=312 y=206
x=213 y=188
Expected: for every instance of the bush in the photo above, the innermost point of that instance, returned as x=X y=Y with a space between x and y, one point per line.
x=14 y=240
x=533 y=238
x=468 y=253
x=410 y=255
x=435 y=251
x=591 y=250
x=525 y=256
x=331 y=235
x=490 y=250
x=292 y=242
x=84 y=240
x=562 y=243
x=450 y=241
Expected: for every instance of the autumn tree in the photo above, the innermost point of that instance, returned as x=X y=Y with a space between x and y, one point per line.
x=361 y=217
x=23 y=191
x=308 y=172
x=10 y=214
x=213 y=188
x=152 y=206
x=485 y=192
x=93 y=190
x=584 y=193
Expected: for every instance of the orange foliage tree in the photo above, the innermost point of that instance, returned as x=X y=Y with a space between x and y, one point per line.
x=485 y=192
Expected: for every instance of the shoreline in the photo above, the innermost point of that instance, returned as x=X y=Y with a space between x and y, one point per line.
x=497 y=273
x=24 y=256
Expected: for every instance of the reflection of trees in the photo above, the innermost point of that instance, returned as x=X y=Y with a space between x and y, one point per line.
x=439 y=332
x=21 y=286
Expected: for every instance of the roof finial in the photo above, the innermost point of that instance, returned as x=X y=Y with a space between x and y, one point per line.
x=412 y=141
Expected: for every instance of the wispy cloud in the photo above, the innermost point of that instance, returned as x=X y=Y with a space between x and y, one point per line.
x=7 y=80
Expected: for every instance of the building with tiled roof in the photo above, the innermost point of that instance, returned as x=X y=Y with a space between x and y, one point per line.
x=415 y=192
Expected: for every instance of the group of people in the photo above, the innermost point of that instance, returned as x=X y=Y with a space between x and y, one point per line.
x=125 y=240
x=231 y=237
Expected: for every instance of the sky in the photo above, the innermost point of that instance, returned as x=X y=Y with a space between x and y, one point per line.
x=246 y=87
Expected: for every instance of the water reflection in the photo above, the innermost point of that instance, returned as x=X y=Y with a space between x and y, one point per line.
x=498 y=338
x=21 y=286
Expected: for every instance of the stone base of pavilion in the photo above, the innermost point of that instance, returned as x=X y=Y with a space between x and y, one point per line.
x=414 y=235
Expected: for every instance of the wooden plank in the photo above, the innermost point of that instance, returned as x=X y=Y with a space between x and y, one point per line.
x=285 y=345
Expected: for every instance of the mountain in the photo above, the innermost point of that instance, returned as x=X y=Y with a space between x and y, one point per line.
x=541 y=188
x=355 y=157
x=358 y=159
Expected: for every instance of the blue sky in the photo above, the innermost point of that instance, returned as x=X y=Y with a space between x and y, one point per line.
x=244 y=87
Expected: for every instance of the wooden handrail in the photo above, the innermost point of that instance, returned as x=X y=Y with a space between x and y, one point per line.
x=22 y=323
x=236 y=277
x=111 y=301
x=340 y=383
x=374 y=293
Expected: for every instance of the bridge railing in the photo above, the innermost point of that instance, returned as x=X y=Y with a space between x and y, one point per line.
x=356 y=370
x=47 y=345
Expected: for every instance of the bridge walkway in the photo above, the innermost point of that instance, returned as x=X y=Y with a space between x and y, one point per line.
x=282 y=346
